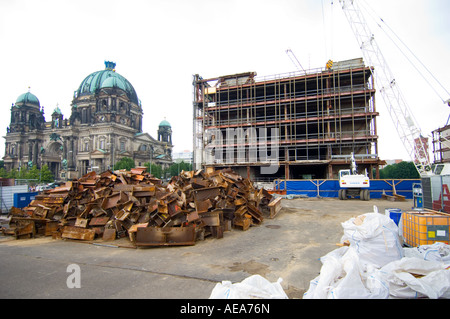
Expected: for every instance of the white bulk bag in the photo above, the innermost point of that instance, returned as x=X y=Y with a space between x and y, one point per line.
x=253 y=287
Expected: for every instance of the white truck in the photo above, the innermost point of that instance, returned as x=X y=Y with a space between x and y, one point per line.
x=353 y=184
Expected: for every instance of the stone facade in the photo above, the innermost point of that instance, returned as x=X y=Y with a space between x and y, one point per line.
x=105 y=126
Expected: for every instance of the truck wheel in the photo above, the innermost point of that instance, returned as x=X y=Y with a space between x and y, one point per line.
x=366 y=195
x=340 y=194
x=344 y=194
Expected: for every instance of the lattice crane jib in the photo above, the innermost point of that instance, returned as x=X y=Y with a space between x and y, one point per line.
x=402 y=117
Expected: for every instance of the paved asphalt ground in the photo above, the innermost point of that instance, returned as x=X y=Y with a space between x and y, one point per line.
x=287 y=247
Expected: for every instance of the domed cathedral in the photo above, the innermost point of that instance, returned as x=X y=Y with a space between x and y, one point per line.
x=105 y=126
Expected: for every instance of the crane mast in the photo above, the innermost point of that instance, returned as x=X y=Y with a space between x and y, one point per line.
x=404 y=122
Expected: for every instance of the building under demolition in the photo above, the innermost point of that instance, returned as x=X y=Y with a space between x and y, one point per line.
x=441 y=145
x=294 y=126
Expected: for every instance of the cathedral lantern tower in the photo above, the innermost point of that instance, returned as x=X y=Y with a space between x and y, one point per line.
x=165 y=132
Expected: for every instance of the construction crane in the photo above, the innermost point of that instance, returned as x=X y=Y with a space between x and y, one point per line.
x=294 y=60
x=404 y=122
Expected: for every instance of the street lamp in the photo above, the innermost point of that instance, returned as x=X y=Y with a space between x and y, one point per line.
x=151 y=158
x=113 y=160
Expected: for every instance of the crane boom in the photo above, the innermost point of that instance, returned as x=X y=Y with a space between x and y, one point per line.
x=404 y=122
x=295 y=60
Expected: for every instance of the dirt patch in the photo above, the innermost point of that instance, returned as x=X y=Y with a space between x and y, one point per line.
x=11 y=241
x=294 y=293
x=273 y=226
x=252 y=267
x=287 y=210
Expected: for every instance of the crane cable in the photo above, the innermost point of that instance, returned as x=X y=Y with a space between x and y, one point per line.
x=328 y=34
x=404 y=54
x=324 y=29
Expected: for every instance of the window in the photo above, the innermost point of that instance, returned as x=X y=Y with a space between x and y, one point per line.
x=122 y=146
x=102 y=144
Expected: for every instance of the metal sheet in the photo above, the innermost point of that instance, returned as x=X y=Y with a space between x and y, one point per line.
x=109 y=234
x=72 y=232
x=206 y=193
x=211 y=218
x=167 y=236
x=99 y=221
x=275 y=207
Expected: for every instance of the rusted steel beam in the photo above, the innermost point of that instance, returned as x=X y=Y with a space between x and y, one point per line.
x=275 y=207
x=167 y=236
x=136 y=205
x=72 y=232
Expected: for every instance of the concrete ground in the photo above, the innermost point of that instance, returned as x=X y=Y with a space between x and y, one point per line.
x=288 y=247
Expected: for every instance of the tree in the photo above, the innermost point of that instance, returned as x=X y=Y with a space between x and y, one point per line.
x=125 y=163
x=35 y=173
x=3 y=172
x=46 y=175
x=176 y=168
x=402 y=170
x=156 y=170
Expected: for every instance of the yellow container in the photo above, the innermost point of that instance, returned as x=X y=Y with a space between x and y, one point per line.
x=425 y=228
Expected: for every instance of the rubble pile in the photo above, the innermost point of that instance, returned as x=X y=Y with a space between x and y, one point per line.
x=133 y=203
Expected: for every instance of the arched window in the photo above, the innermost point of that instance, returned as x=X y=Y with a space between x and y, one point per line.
x=122 y=145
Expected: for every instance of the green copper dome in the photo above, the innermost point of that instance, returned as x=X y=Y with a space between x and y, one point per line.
x=107 y=78
x=164 y=123
x=28 y=98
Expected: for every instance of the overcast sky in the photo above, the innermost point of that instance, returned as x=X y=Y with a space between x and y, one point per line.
x=52 y=45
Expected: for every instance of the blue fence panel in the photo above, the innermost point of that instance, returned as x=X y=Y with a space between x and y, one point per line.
x=301 y=188
x=402 y=187
x=330 y=188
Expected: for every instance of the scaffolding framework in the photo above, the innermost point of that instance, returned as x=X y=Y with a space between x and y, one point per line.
x=441 y=145
x=321 y=116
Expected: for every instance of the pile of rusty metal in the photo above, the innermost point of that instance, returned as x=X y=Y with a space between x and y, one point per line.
x=136 y=205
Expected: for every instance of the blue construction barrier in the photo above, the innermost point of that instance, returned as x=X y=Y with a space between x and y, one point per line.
x=330 y=188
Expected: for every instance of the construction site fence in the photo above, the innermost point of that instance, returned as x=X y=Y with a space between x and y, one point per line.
x=330 y=188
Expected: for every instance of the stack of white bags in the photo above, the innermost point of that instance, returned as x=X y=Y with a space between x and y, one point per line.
x=375 y=265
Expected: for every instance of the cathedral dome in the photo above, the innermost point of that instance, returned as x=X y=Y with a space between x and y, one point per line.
x=28 y=98
x=164 y=123
x=107 y=78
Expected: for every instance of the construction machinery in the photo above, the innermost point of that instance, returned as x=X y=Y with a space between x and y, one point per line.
x=436 y=177
x=353 y=184
x=408 y=131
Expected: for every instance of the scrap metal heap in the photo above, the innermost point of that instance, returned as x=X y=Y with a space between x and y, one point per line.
x=133 y=203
